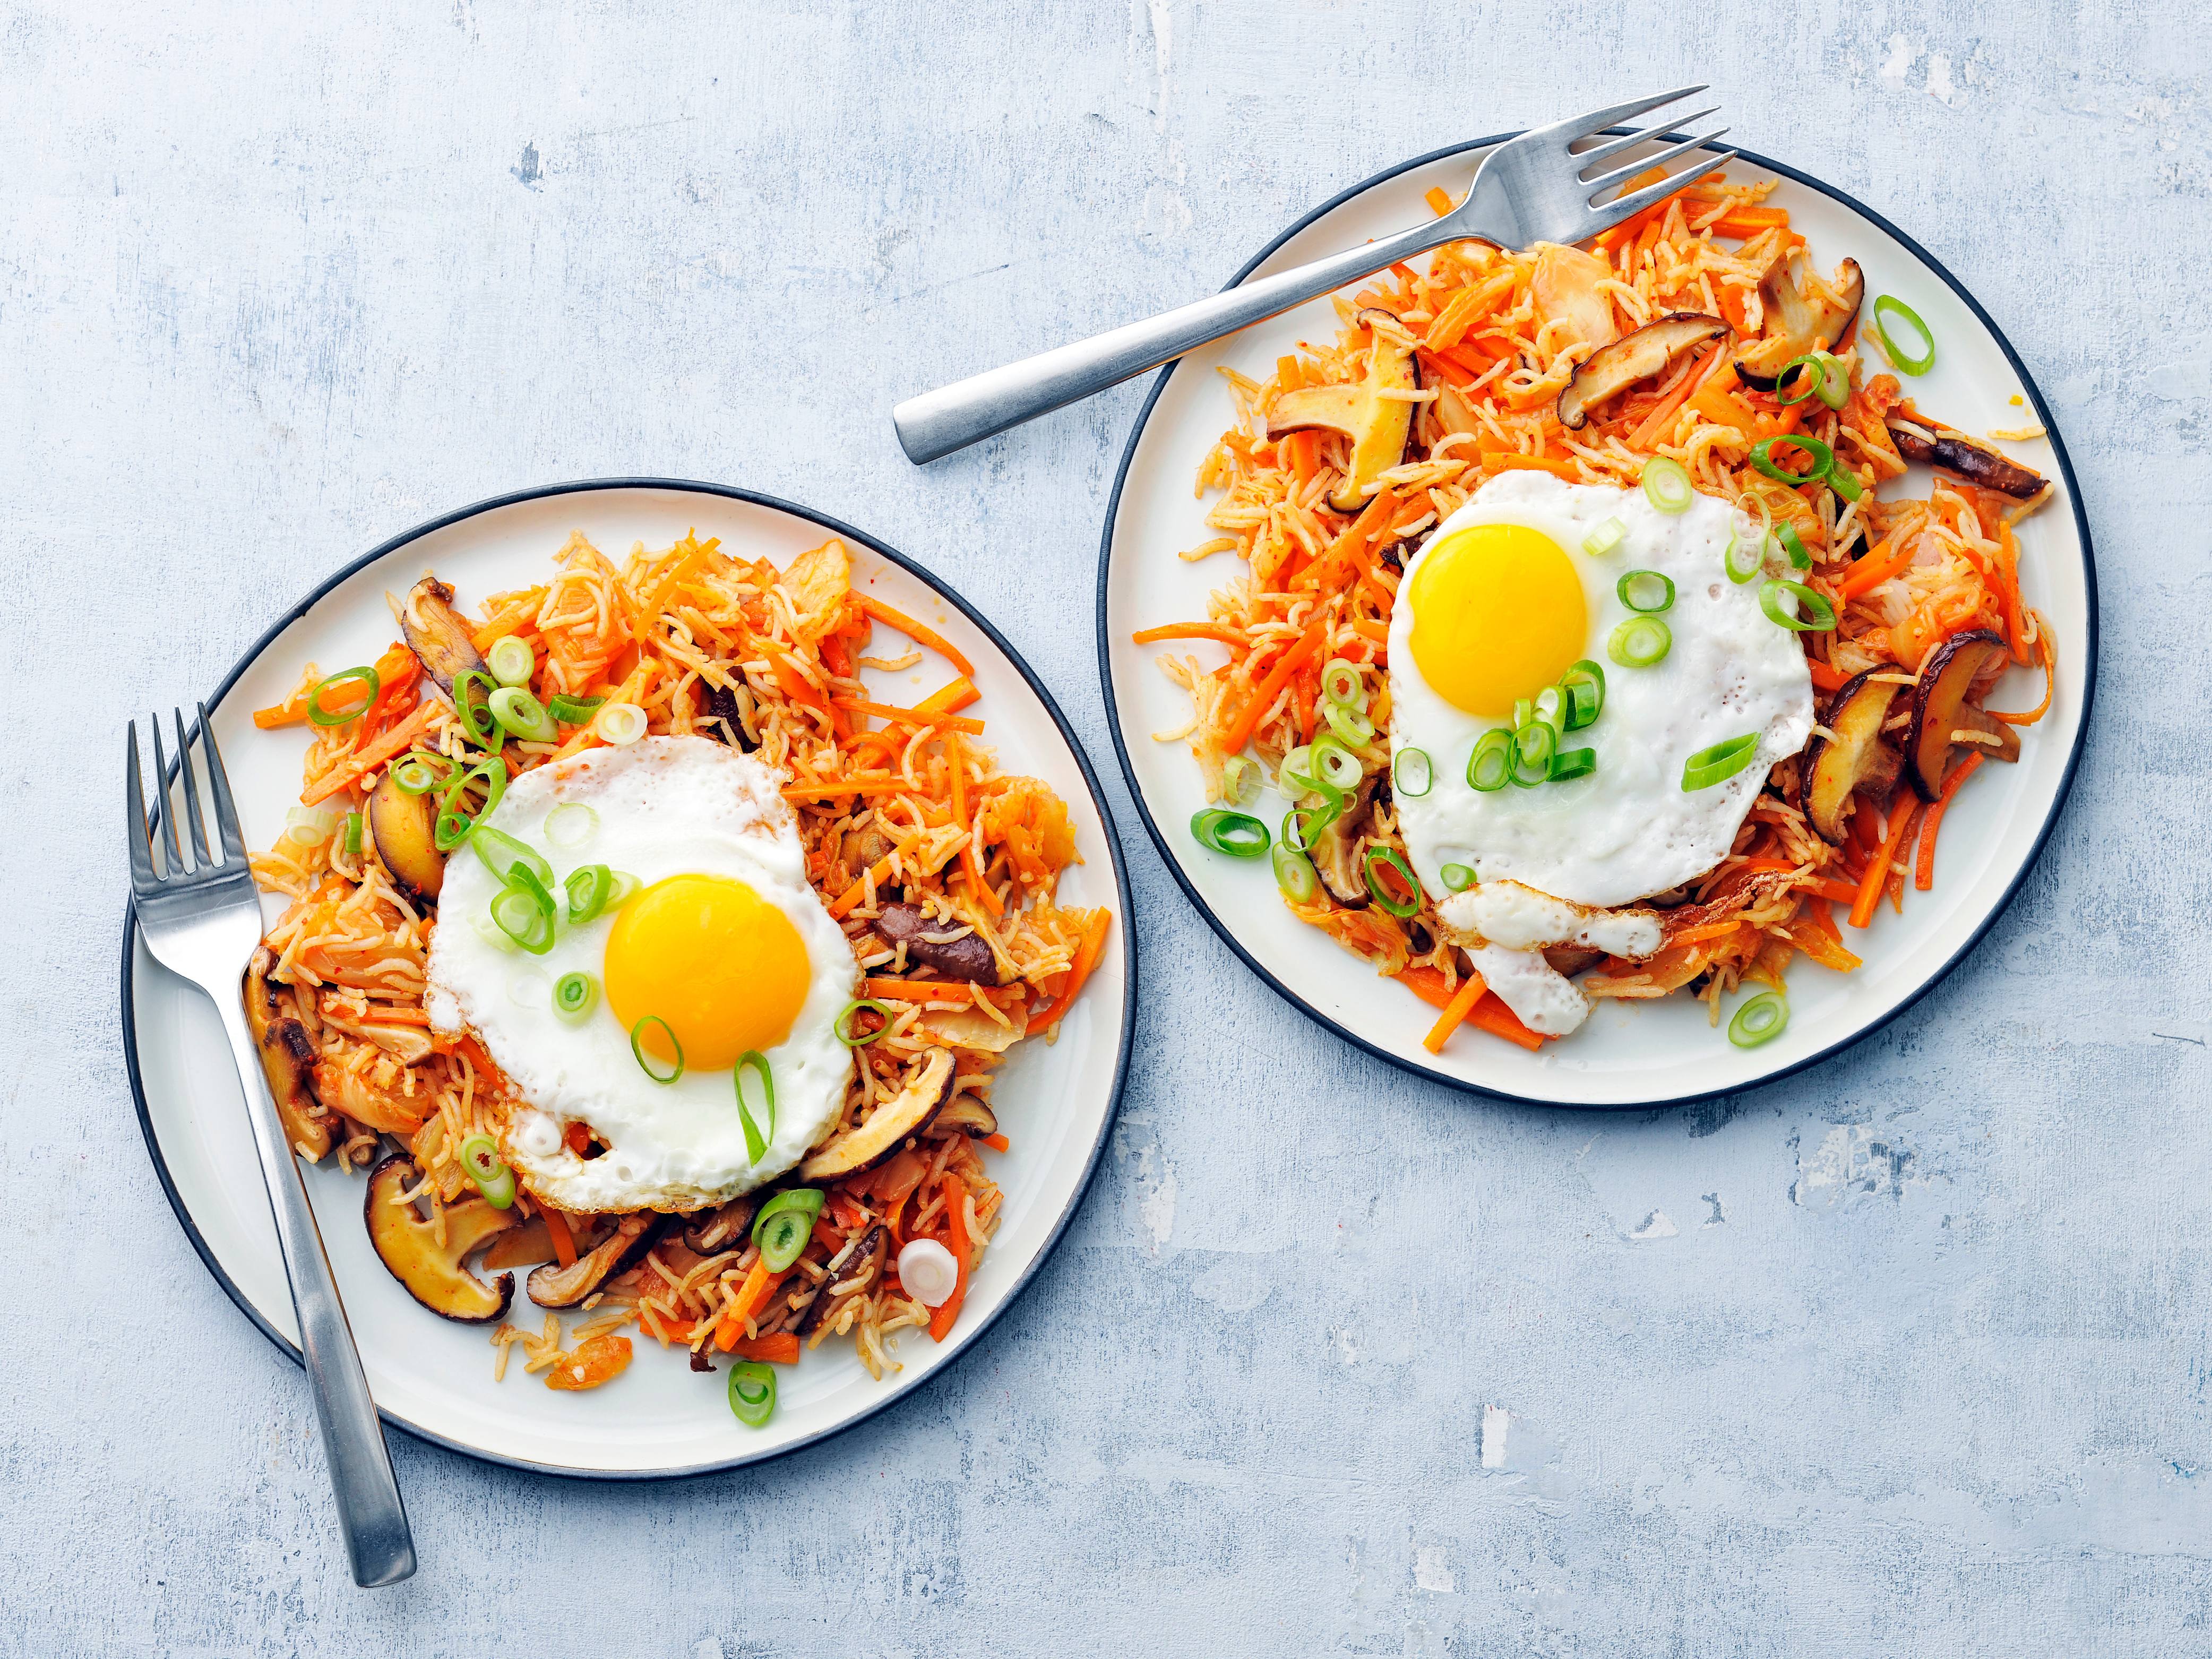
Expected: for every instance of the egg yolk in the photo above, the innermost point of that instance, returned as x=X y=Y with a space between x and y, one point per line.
x=724 y=967
x=1498 y=615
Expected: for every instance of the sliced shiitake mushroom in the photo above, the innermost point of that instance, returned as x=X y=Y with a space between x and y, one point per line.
x=970 y=1028
x=929 y=943
x=404 y=827
x=1378 y=425
x=1798 y=321
x=1652 y=349
x=288 y=1057
x=880 y=1133
x=438 y=633
x=723 y=721
x=852 y=1270
x=1940 y=710
x=964 y=1115
x=435 y=1274
x=1856 y=759
x=1332 y=851
x=552 y=1286
x=721 y=1228
x=1955 y=451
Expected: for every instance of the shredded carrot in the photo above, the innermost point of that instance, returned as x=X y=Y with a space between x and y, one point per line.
x=1207 y=630
x=1880 y=564
x=386 y=1014
x=1497 y=461
x=1086 y=958
x=915 y=631
x=1842 y=891
x=509 y=619
x=997 y=1143
x=879 y=871
x=956 y=1211
x=2050 y=688
x=1664 y=411
x=845 y=786
x=1877 y=870
x=911 y=716
x=1439 y=202
x=1240 y=732
x=1490 y=1014
x=369 y=757
x=752 y=1296
x=781 y=1349
x=918 y=990
x=556 y=1229
x=1746 y=223
x=285 y=714
x=1461 y=1005
x=1828 y=678
x=949 y=698
x=656 y=602
x=1923 y=878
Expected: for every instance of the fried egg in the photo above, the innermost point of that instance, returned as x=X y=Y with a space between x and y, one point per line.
x=723 y=945
x=1500 y=601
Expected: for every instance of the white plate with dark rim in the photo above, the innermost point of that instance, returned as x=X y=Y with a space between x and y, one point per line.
x=433 y=1378
x=1628 y=1055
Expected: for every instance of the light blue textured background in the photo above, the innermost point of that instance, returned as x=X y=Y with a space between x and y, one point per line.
x=1908 y=1356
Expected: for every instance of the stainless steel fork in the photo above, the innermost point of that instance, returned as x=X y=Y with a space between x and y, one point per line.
x=202 y=921
x=1535 y=188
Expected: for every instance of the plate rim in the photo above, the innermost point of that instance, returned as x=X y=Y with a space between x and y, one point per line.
x=1124 y=897
x=1980 y=928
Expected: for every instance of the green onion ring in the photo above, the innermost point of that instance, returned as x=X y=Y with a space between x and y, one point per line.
x=524 y=912
x=573 y=711
x=1302 y=824
x=1666 y=485
x=478 y=1157
x=1584 y=684
x=752 y=1393
x=1603 y=540
x=1760 y=1020
x=1637 y=586
x=1239 y=779
x=1457 y=877
x=1835 y=387
x=1762 y=457
x=1718 y=763
x=1551 y=706
x=475 y=716
x=1534 y=745
x=1845 y=482
x=625 y=885
x=1239 y=835
x=1491 y=766
x=1400 y=909
x=453 y=823
x=589 y=888
x=1295 y=874
x=1808 y=383
x=511 y=660
x=647 y=1066
x=502 y=854
x=417 y=773
x=756 y=1139
x=353 y=834
x=1340 y=673
x=1794 y=545
x=1350 y=726
x=619 y=723
x=1744 y=559
x=1815 y=614
x=1640 y=642
x=575 y=996
x=1413 y=772
x=522 y=714
x=1886 y=305
x=843 y=1025
x=570 y=824
x=366 y=677
x=783 y=1235
x=1573 y=763
x=1336 y=766
x=802 y=1204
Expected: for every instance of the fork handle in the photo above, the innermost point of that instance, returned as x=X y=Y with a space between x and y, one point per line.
x=938 y=423
x=370 y=1512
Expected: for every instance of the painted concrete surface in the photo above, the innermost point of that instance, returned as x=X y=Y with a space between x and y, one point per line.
x=1909 y=1356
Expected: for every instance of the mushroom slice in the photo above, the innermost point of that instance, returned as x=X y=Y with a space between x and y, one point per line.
x=970 y=1028
x=408 y=1044
x=1798 y=321
x=720 y=1228
x=438 y=633
x=724 y=720
x=1652 y=349
x=930 y=944
x=853 y=1269
x=1856 y=758
x=1378 y=425
x=885 y=1128
x=1955 y=451
x=1332 y=852
x=966 y=1115
x=552 y=1286
x=287 y=1058
x=403 y=827
x=1940 y=712
x=433 y=1273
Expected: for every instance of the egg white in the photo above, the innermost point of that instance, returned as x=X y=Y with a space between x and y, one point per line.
x=666 y=807
x=1629 y=829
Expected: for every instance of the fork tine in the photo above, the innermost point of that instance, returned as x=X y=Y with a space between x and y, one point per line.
x=1613 y=147
x=192 y=793
x=161 y=802
x=1621 y=207
x=226 y=810
x=1597 y=121
x=1643 y=164
x=141 y=845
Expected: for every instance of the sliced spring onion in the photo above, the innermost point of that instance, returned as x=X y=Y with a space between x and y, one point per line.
x=575 y=996
x=490 y=931
x=1760 y=1020
x=1457 y=876
x=1336 y=766
x=1295 y=874
x=1239 y=835
x=589 y=888
x=310 y=826
x=1794 y=545
x=1640 y=642
x=1573 y=763
x=511 y=660
x=1551 y=706
x=1341 y=682
x=625 y=885
x=1295 y=777
x=1824 y=459
x=1584 y=684
x=573 y=711
x=660 y=1070
x=1412 y=773
x=472 y=703
x=1603 y=540
x=1886 y=305
x=1396 y=861
x=757 y=1138
x=524 y=911
x=1666 y=485
x=784 y=1225
x=348 y=708
x=454 y=820
x=482 y=1163
x=844 y=1027
x=1491 y=766
x=1835 y=388
x=521 y=714
x=502 y=854
x=1534 y=745
x=1302 y=824
x=1350 y=726
x=752 y=1393
x=419 y=774
x=1718 y=763
x=619 y=723
x=353 y=834
x=1647 y=592
x=1240 y=779
x=1814 y=377
x=1811 y=613
x=927 y=1272
x=1744 y=559
x=571 y=823
x=1845 y=482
